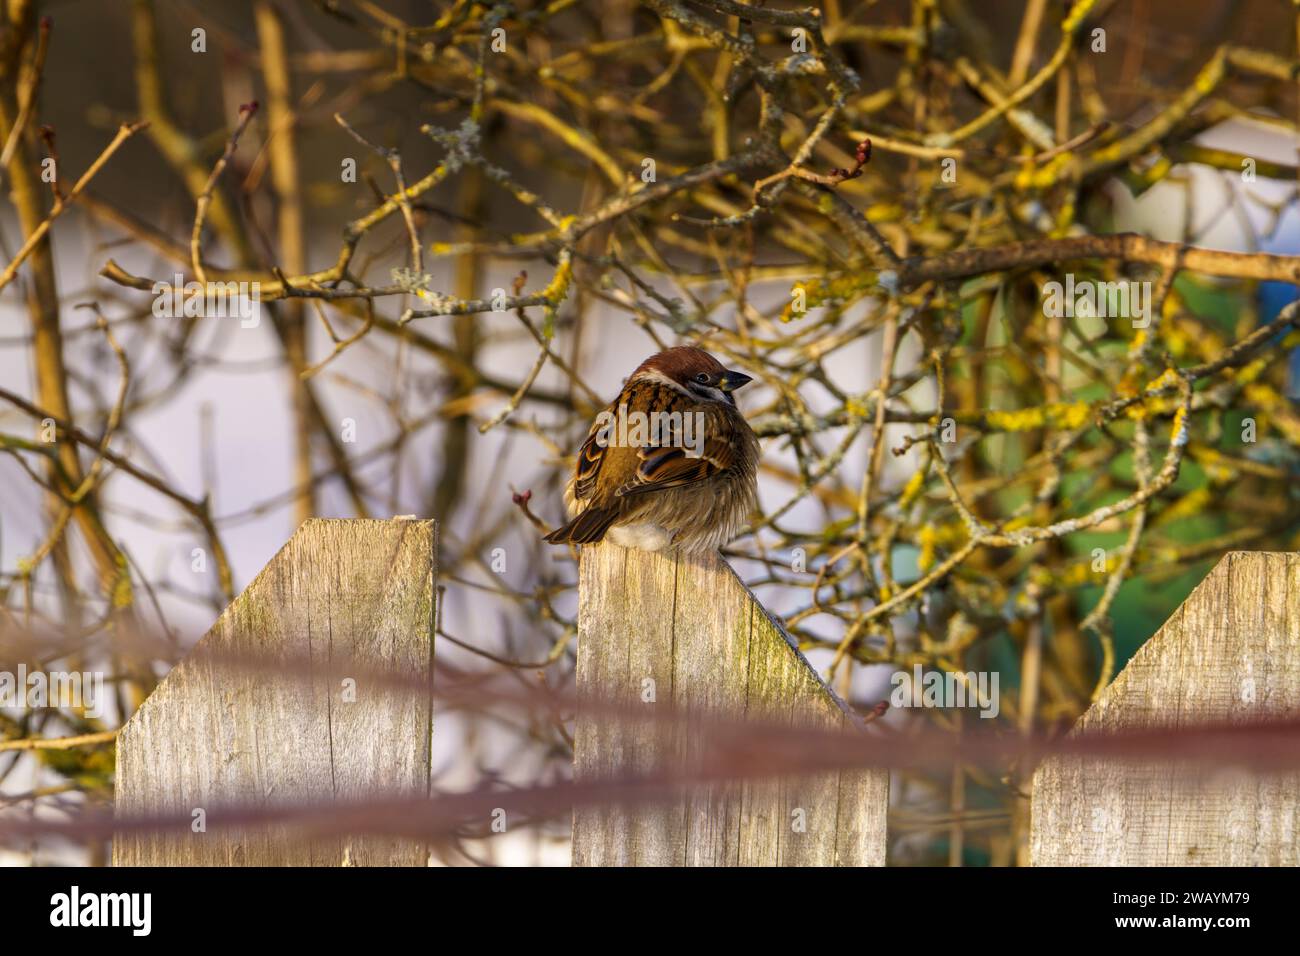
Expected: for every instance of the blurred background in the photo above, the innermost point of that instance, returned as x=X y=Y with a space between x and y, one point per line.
x=338 y=407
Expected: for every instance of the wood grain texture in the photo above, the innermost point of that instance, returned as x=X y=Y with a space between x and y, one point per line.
x=1231 y=652
x=692 y=631
x=343 y=599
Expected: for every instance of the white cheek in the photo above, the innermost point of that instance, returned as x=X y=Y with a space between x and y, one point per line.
x=717 y=394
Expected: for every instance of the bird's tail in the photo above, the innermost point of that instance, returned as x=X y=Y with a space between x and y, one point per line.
x=587 y=528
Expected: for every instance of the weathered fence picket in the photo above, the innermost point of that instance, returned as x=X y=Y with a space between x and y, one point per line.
x=1231 y=652
x=345 y=601
x=341 y=603
x=654 y=628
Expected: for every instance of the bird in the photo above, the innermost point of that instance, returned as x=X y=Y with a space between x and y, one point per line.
x=670 y=463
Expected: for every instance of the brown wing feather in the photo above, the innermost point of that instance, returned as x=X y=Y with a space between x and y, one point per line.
x=663 y=468
x=662 y=462
x=590 y=457
x=596 y=450
x=587 y=527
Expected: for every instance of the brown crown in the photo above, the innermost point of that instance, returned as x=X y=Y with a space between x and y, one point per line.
x=681 y=363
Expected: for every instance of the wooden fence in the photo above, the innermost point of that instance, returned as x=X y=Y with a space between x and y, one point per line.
x=349 y=598
x=654 y=629
x=1231 y=652
x=357 y=597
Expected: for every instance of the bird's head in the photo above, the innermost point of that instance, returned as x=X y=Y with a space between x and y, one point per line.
x=695 y=371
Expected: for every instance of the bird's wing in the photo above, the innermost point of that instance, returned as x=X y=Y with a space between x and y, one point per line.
x=603 y=450
x=670 y=458
x=590 y=457
x=673 y=466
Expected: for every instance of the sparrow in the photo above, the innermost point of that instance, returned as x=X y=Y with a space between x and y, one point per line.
x=671 y=463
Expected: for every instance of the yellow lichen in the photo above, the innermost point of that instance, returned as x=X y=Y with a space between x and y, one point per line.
x=839 y=289
x=1189 y=505
x=912 y=490
x=927 y=538
x=1055 y=414
x=1167 y=379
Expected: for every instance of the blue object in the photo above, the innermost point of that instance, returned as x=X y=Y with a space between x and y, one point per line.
x=1272 y=297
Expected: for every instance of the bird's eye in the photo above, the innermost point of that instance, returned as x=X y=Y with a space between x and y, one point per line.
x=702 y=377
